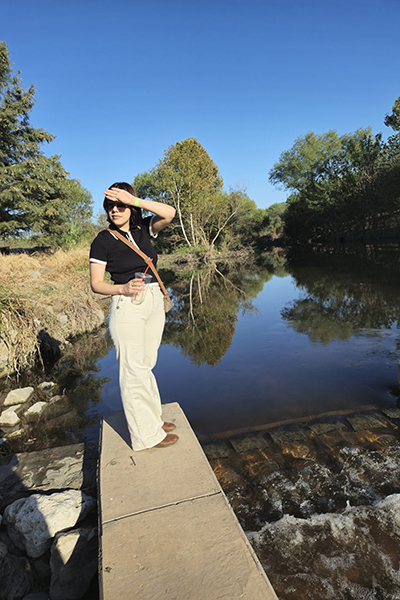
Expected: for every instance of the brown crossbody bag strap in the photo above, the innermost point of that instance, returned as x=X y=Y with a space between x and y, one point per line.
x=144 y=256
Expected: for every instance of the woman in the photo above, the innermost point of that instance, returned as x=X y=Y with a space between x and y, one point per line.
x=136 y=329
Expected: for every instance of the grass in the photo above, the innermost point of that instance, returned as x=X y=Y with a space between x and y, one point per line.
x=44 y=291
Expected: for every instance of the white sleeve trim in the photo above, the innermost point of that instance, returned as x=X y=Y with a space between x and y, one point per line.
x=154 y=235
x=96 y=260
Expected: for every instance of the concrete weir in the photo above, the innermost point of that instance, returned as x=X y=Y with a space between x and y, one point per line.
x=166 y=528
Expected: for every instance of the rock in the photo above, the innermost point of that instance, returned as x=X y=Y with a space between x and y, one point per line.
x=42 y=568
x=19 y=396
x=16 y=433
x=15 y=575
x=57 y=406
x=63 y=422
x=9 y=417
x=33 y=413
x=6 y=364
x=249 y=442
x=64 y=474
x=73 y=563
x=46 y=386
x=289 y=433
x=392 y=413
x=50 y=348
x=326 y=426
x=362 y=421
x=52 y=469
x=5 y=447
x=217 y=449
x=62 y=318
x=11 y=547
x=32 y=522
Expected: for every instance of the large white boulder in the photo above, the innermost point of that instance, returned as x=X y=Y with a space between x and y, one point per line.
x=32 y=522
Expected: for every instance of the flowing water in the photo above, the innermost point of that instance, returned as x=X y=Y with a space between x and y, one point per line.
x=287 y=371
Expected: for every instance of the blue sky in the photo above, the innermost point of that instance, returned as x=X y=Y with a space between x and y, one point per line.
x=118 y=82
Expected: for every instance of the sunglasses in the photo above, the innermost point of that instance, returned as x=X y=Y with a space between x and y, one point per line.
x=118 y=205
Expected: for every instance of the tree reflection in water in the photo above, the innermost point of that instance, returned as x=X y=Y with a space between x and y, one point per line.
x=207 y=304
x=356 y=293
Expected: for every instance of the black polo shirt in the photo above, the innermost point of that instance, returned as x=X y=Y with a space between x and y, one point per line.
x=121 y=261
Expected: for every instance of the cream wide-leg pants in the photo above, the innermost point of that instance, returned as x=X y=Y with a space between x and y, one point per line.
x=136 y=330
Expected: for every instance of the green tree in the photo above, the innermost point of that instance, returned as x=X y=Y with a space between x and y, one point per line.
x=76 y=215
x=309 y=161
x=100 y=221
x=274 y=214
x=208 y=216
x=342 y=186
x=187 y=178
x=247 y=224
x=393 y=120
x=35 y=193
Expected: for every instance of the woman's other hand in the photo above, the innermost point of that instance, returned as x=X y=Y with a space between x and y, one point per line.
x=133 y=287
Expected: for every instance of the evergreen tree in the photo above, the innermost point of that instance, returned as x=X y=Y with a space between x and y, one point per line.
x=35 y=192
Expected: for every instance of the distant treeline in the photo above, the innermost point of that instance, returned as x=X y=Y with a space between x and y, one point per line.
x=344 y=188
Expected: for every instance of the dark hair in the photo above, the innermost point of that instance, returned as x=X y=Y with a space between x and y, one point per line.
x=136 y=213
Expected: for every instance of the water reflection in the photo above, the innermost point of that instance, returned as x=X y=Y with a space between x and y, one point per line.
x=208 y=302
x=72 y=413
x=343 y=294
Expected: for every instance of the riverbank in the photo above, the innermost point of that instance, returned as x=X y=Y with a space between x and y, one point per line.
x=318 y=497
x=45 y=300
x=48 y=500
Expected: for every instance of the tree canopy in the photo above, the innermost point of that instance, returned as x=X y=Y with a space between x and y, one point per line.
x=36 y=196
x=343 y=187
x=207 y=216
x=393 y=120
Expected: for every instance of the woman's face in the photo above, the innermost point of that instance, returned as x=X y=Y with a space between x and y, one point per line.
x=119 y=214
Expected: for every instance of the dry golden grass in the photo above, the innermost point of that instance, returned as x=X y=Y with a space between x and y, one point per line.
x=44 y=291
x=58 y=266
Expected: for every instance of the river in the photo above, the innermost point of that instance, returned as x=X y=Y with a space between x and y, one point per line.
x=275 y=342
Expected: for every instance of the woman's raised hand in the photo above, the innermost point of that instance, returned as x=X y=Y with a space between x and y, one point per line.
x=117 y=195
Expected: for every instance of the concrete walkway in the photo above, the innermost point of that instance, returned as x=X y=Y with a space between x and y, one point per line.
x=167 y=530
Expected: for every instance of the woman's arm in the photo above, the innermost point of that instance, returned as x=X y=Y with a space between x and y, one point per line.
x=99 y=286
x=164 y=213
